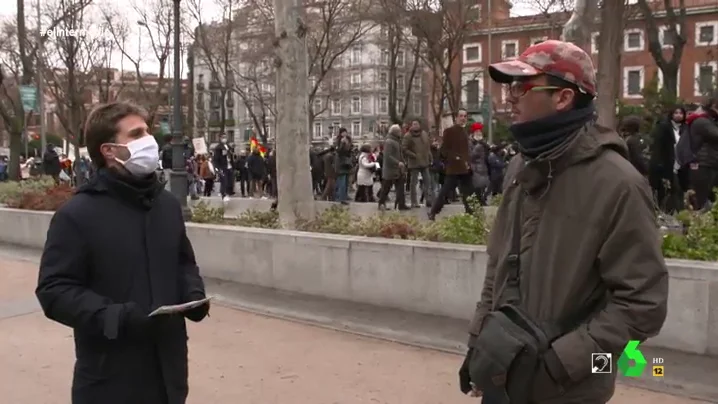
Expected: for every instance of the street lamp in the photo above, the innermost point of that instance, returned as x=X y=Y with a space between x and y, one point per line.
x=178 y=178
x=139 y=41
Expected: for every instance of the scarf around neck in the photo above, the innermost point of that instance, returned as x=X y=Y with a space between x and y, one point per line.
x=545 y=136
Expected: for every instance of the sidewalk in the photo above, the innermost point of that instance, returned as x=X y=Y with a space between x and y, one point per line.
x=236 y=354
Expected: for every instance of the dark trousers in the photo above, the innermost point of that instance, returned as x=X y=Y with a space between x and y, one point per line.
x=244 y=183
x=398 y=187
x=208 y=186
x=703 y=180
x=364 y=194
x=463 y=181
x=226 y=185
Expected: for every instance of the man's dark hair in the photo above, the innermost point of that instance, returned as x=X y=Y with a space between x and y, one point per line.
x=630 y=124
x=581 y=100
x=342 y=130
x=167 y=139
x=101 y=126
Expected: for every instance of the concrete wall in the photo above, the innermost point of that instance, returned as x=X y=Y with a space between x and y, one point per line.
x=433 y=278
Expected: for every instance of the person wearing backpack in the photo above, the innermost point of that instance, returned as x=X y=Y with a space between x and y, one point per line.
x=668 y=161
x=703 y=131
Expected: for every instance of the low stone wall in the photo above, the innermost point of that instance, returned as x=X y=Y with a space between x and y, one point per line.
x=425 y=277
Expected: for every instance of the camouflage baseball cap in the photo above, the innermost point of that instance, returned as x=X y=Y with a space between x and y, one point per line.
x=561 y=59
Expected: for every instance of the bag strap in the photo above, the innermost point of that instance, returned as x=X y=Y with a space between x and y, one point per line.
x=512 y=290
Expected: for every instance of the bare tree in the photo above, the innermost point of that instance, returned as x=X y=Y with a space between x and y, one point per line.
x=401 y=55
x=18 y=67
x=73 y=69
x=334 y=27
x=442 y=28
x=609 y=58
x=578 y=28
x=674 y=36
x=155 y=27
x=553 y=12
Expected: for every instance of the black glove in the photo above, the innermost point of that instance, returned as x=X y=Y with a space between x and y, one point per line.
x=134 y=322
x=198 y=313
x=464 y=377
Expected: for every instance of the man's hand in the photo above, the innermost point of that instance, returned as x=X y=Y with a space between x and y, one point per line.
x=475 y=392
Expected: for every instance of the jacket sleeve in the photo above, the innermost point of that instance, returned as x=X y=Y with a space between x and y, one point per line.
x=633 y=270
x=365 y=163
x=62 y=285
x=406 y=146
x=635 y=153
x=705 y=129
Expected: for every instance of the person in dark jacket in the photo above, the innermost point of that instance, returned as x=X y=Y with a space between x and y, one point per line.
x=629 y=129
x=222 y=160
x=257 y=173
x=455 y=152
x=393 y=170
x=166 y=159
x=115 y=252
x=343 y=166
x=240 y=167
x=664 y=163
x=51 y=163
x=271 y=162
x=703 y=130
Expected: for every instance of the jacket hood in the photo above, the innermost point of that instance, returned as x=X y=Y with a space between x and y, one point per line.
x=590 y=143
x=699 y=113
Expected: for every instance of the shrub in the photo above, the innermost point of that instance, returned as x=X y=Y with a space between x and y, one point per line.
x=203 y=213
x=13 y=190
x=699 y=240
x=255 y=218
x=49 y=199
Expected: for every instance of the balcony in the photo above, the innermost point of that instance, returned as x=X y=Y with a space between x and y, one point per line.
x=200 y=86
x=215 y=104
x=215 y=85
x=215 y=123
x=229 y=122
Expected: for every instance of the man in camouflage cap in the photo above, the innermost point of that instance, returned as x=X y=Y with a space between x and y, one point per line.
x=574 y=244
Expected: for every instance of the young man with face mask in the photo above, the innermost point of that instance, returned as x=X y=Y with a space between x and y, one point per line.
x=116 y=251
x=574 y=253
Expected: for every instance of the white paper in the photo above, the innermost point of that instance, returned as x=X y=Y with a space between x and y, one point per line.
x=179 y=308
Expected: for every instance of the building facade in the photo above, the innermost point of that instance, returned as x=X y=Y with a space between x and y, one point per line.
x=353 y=94
x=511 y=35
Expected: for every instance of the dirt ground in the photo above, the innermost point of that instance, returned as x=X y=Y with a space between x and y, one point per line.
x=241 y=357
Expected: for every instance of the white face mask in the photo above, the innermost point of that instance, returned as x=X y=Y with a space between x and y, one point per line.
x=144 y=156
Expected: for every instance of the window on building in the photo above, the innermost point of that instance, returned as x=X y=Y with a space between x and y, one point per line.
x=400 y=59
x=666 y=36
x=383 y=105
x=356 y=80
x=230 y=114
x=214 y=116
x=595 y=40
x=317 y=130
x=356 y=56
x=356 y=128
x=474 y=13
x=416 y=83
x=384 y=57
x=336 y=107
x=473 y=94
x=633 y=40
x=633 y=81
x=538 y=39
x=317 y=106
x=472 y=53
x=705 y=77
x=509 y=49
x=416 y=107
x=706 y=33
x=400 y=83
x=400 y=106
x=230 y=136
x=312 y=82
x=336 y=83
x=356 y=105
x=383 y=81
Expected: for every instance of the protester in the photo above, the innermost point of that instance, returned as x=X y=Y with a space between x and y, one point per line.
x=393 y=170
x=574 y=254
x=703 y=126
x=222 y=160
x=116 y=251
x=454 y=150
x=417 y=151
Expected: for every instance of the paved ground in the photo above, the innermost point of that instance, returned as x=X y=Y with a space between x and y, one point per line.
x=235 y=354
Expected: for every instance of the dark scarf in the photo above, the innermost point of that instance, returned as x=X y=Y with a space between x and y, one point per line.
x=542 y=136
x=138 y=191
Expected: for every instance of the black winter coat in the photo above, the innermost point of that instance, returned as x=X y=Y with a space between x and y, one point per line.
x=117 y=250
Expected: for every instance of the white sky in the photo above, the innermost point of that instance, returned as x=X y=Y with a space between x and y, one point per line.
x=139 y=37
